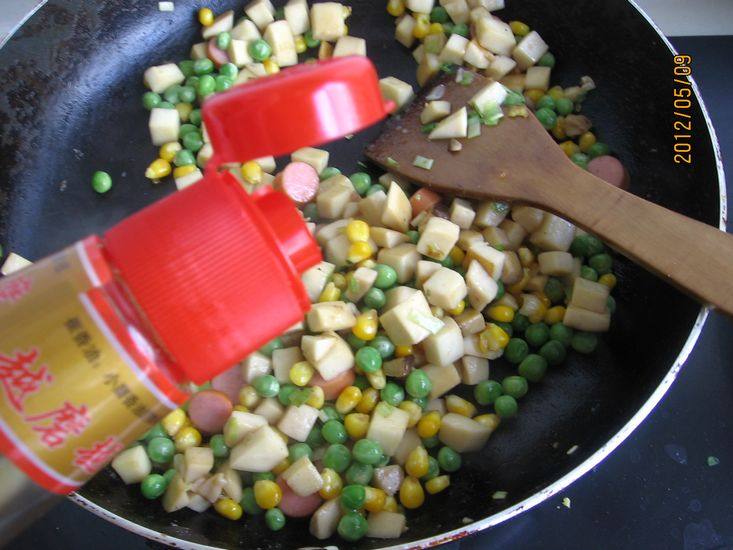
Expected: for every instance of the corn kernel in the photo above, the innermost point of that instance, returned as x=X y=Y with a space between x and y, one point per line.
x=538 y=315
x=158 y=169
x=339 y=281
x=534 y=94
x=267 y=494
x=357 y=231
x=556 y=92
x=437 y=484
x=356 y=425
x=608 y=279
x=271 y=66
x=396 y=7
x=403 y=351
x=458 y=309
x=348 y=399
x=241 y=408
x=369 y=263
x=184 y=111
x=180 y=171
x=417 y=464
x=543 y=298
x=301 y=373
x=252 y=172
x=359 y=251
x=457 y=255
x=316 y=398
x=518 y=287
x=330 y=293
x=174 y=421
x=377 y=379
x=458 y=405
x=519 y=28
x=411 y=493
x=332 y=484
x=501 y=314
x=187 y=437
x=283 y=465
x=228 y=508
x=429 y=424
x=369 y=400
x=206 y=17
x=249 y=397
x=414 y=410
x=366 y=325
x=422 y=25
x=558 y=130
x=375 y=499
x=569 y=148
x=490 y=420
x=300 y=45
x=435 y=28
x=168 y=150
x=493 y=338
x=526 y=257
x=586 y=141
x=390 y=504
x=555 y=315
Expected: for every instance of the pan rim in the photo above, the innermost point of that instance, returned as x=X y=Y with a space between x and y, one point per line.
x=558 y=485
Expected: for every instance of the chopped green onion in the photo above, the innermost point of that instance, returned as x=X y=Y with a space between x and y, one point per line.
x=423 y=162
x=492 y=114
x=566 y=502
x=499 y=207
x=513 y=98
x=465 y=78
x=474 y=127
x=392 y=162
x=427 y=128
x=448 y=68
x=499 y=495
x=713 y=461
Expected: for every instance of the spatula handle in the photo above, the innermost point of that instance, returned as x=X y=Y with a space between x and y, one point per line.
x=691 y=255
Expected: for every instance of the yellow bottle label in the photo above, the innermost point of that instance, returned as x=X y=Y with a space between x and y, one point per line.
x=76 y=383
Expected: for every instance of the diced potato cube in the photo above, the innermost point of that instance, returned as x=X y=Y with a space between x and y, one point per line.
x=176 y=495
x=161 y=77
x=330 y=316
x=223 y=23
x=473 y=370
x=529 y=50
x=387 y=238
x=387 y=426
x=297 y=422
x=453 y=126
x=396 y=296
x=198 y=51
x=411 y=321
x=271 y=409
x=317 y=158
x=496 y=237
x=554 y=233
x=233 y=483
x=556 y=263
x=512 y=272
x=491 y=213
x=438 y=238
x=445 y=288
x=164 y=125
x=446 y=346
x=491 y=259
x=420 y=6
x=427 y=68
x=409 y=441
x=303 y=477
x=403 y=258
x=437 y=405
x=198 y=462
x=296 y=14
x=336 y=359
x=333 y=195
x=583 y=319
x=467 y=237
x=435 y=110
x=418 y=53
x=457 y=10
x=238 y=53
x=337 y=250
x=500 y=67
x=528 y=217
x=404 y=30
x=315 y=279
x=589 y=295
x=537 y=78
x=280 y=38
x=245 y=30
x=482 y=288
x=477 y=56
x=443 y=379
x=261 y=12
x=463 y=434
x=14 y=262
x=260 y=451
x=470 y=322
x=324 y=521
x=211 y=488
x=385 y=525
x=256 y=364
x=132 y=464
x=454 y=50
x=424 y=271
x=330 y=231
x=349 y=45
x=514 y=232
x=397 y=210
x=327 y=21
x=361 y=281
x=372 y=206
x=282 y=360
x=239 y=424
x=495 y=35
x=396 y=90
x=189 y=179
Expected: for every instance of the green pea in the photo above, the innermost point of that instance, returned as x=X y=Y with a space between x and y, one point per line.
x=386 y=276
x=449 y=460
x=310 y=42
x=359 y=474
x=431 y=442
x=506 y=327
x=520 y=322
x=584 y=342
x=223 y=39
x=353 y=497
x=561 y=333
x=275 y=519
x=151 y=100
x=279 y=14
x=184 y=157
x=392 y=393
x=266 y=385
x=581 y=159
x=433 y=469
x=166 y=105
x=383 y=345
x=361 y=182
x=259 y=50
x=223 y=83
x=355 y=342
x=329 y=172
x=547 y=117
x=192 y=81
x=368 y=359
x=506 y=406
x=547 y=60
x=315 y=438
x=337 y=457
x=367 y=451
x=156 y=431
x=461 y=29
x=285 y=392
x=218 y=446
x=418 y=384
x=516 y=386
x=310 y=211
x=602 y=263
x=298 y=451
x=439 y=15
x=262 y=476
x=361 y=382
x=206 y=85
x=587 y=272
x=376 y=188
x=487 y=392
x=187 y=94
x=248 y=502
x=186 y=129
x=300 y=396
x=611 y=304
x=546 y=102
x=447 y=262
x=169 y=474
x=598 y=149
x=333 y=431
x=272 y=345
x=153 y=486
x=564 y=106
x=447 y=29
x=330 y=413
x=537 y=334
x=516 y=350
x=375 y=298
x=203 y=66
x=186 y=67
x=585 y=246
x=534 y=366
x=229 y=70
x=161 y=449
x=101 y=182
x=352 y=526
x=413 y=235
x=553 y=352
x=171 y=93
x=554 y=290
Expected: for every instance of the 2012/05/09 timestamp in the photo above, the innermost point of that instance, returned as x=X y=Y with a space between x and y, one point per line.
x=682 y=104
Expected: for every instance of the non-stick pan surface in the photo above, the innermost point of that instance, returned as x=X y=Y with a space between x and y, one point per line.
x=71 y=79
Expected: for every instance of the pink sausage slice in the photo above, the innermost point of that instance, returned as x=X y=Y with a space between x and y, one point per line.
x=229 y=382
x=299 y=181
x=217 y=55
x=610 y=169
x=295 y=506
x=209 y=410
x=332 y=388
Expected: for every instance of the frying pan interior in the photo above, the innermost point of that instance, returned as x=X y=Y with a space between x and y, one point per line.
x=71 y=105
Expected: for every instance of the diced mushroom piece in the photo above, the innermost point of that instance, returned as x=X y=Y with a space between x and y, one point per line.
x=256 y=364
x=496 y=237
x=427 y=68
x=425 y=269
x=333 y=195
x=445 y=288
x=495 y=35
x=491 y=259
x=14 y=262
x=399 y=367
x=473 y=369
x=271 y=409
x=397 y=210
x=420 y=6
x=470 y=322
x=387 y=238
x=387 y=426
x=385 y=525
x=328 y=353
x=162 y=77
x=583 y=319
x=330 y=316
x=482 y=288
x=471 y=347
x=556 y=263
x=371 y=207
x=408 y=442
x=402 y=258
x=315 y=279
x=317 y=158
x=197 y=503
x=361 y=281
x=325 y=51
x=443 y=379
x=576 y=125
x=529 y=50
x=453 y=126
x=462 y=213
x=411 y=321
x=327 y=21
x=435 y=110
x=232 y=482
x=199 y=51
x=132 y=464
x=212 y=488
x=324 y=521
x=396 y=295
x=350 y=45
x=446 y=346
x=467 y=237
x=490 y=95
x=512 y=272
x=404 y=31
x=537 y=282
x=164 y=125
x=463 y=434
x=176 y=495
x=514 y=232
x=261 y=12
x=296 y=14
x=282 y=360
x=437 y=405
x=589 y=295
x=280 y=38
x=477 y=56
x=454 y=50
x=500 y=67
x=302 y=477
x=491 y=213
x=438 y=238
x=260 y=451
x=198 y=462
x=538 y=78
x=554 y=233
x=389 y=478
x=297 y=422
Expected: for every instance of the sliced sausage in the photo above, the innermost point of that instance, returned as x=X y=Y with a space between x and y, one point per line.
x=610 y=169
x=209 y=410
x=332 y=388
x=299 y=181
x=295 y=506
x=229 y=382
x=216 y=54
x=423 y=199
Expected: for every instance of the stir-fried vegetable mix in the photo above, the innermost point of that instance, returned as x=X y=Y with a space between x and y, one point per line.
x=360 y=413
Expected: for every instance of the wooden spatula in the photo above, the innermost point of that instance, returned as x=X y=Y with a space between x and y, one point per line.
x=519 y=162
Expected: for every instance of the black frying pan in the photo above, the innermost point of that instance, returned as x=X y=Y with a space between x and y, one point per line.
x=72 y=79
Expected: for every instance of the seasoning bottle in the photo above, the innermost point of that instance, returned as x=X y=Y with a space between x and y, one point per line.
x=98 y=341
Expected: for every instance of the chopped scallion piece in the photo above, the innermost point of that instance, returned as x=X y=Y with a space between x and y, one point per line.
x=474 y=127
x=492 y=114
x=499 y=495
x=392 y=162
x=423 y=162
x=427 y=128
x=448 y=68
x=465 y=78
x=513 y=97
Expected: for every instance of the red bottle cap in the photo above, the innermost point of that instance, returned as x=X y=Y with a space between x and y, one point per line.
x=215 y=271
